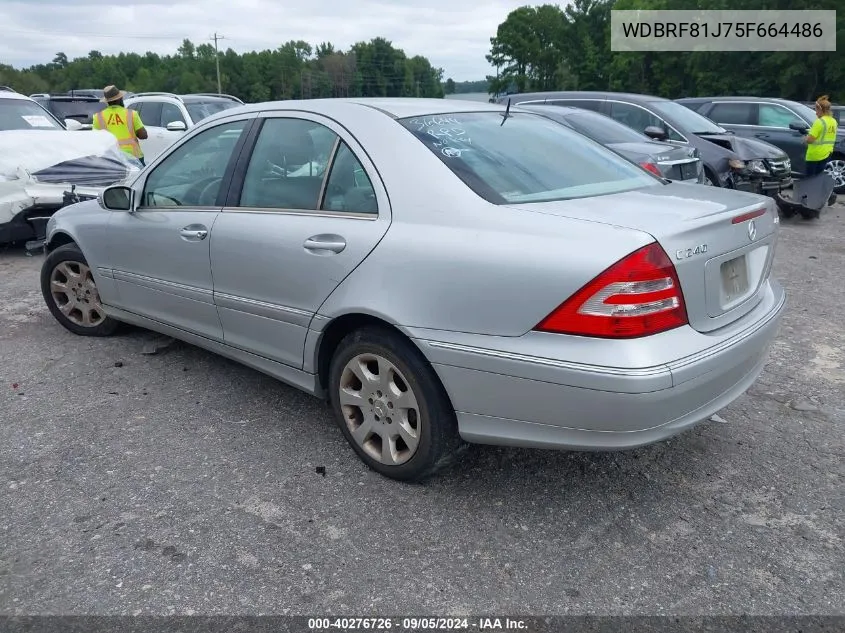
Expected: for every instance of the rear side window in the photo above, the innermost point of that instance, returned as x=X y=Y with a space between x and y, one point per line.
x=529 y=158
x=732 y=113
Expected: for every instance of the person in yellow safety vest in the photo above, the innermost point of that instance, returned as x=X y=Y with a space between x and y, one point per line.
x=123 y=123
x=820 y=139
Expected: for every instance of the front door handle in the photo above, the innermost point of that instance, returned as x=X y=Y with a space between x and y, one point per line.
x=761 y=135
x=194 y=232
x=319 y=244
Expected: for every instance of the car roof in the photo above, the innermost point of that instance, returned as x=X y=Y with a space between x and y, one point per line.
x=204 y=99
x=589 y=94
x=737 y=98
x=395 y=107
x=13 y=95
x=82 y=97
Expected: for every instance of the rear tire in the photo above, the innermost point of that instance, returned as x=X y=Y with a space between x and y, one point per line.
x=70 y=292
x=391 y=406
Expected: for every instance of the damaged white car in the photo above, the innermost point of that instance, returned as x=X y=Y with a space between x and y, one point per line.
x=43 y=170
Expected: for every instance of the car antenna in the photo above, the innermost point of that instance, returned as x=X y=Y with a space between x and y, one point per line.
x=506 y=114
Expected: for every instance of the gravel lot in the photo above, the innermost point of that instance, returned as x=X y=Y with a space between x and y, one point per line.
x=180 y=482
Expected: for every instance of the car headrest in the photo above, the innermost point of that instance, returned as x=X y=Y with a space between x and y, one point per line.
x=296 y=148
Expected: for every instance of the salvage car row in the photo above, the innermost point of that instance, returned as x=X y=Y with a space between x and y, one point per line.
x=441 y=272
x=43 y=167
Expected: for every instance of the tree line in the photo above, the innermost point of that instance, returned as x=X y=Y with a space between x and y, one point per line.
x=294 y=70
x=552 y=48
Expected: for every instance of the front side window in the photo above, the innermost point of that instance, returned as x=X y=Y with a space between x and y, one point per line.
x=21 y=114
x=529 y=158
x=772 y=115
x=170 y=113
x=192 y=174
x=638 y=119
x=685 y=118
x=288 y=165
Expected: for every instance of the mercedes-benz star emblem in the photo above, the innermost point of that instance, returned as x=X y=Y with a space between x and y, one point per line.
x=752 y=231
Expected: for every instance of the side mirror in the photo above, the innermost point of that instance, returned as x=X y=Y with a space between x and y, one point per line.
x=658 y=134
x=798 y=127
x=117 y=198
x=72 y=125
x=177 y=126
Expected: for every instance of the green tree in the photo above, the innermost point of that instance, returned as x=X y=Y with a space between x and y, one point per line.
x=295 y=69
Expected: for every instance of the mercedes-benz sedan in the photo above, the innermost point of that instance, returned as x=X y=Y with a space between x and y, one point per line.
x=426 y=268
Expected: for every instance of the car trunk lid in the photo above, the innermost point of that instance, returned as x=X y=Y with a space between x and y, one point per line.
x=721 y=241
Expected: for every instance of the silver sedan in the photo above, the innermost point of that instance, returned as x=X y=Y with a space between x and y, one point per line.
x=424 y=266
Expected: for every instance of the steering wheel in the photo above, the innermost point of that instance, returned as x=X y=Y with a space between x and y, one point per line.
x=196 y=190
x=208 y=195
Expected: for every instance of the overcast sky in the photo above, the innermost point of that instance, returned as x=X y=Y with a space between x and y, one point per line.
x=453 y=34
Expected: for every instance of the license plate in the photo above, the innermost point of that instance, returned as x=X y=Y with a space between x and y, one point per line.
x=734 y=278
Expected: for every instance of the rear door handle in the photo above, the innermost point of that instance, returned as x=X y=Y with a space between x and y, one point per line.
x=194 y=232
x=318 y=244
x=761 y=135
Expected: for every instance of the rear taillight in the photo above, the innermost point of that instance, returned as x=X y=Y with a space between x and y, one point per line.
x=638 y=296
x=654 y=169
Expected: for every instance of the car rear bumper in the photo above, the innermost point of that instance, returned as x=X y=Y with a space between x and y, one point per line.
x=551 y=396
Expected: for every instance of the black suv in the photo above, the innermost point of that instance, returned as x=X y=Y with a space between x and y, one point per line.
x=76 y=107
x=777 y=121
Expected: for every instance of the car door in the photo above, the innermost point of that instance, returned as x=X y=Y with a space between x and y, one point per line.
x=150 y=113
x=773 y=127
x=308 y=208
x=171 y=113
x=160 y=251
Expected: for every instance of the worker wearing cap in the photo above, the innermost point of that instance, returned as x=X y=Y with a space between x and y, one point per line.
x=123 y=123
x=820 y=139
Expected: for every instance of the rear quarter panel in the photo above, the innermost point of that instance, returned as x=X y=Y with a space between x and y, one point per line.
x=494 y=271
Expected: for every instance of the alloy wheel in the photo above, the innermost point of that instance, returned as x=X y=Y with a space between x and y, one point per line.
x=836 y=169
x=380 y=409
x=74 y=292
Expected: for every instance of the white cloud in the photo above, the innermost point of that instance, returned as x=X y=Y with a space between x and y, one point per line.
x=452 y=34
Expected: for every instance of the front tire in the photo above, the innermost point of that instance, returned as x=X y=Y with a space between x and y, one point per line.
x=391 y=406
x=70 y=292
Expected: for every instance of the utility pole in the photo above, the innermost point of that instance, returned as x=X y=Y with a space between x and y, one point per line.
x=216 y=37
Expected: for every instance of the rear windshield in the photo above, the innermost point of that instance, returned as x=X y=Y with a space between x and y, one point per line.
x=527 y=159
x=202 y=109
x=604 y=129
x=82 y=110
x=21 y=114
